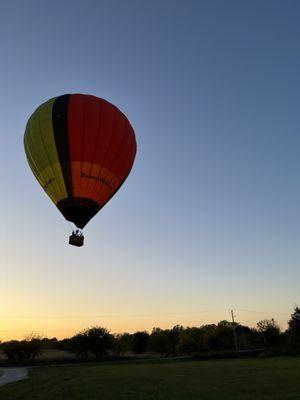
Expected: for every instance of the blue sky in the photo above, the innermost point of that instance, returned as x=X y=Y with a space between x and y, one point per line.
x=209 y=217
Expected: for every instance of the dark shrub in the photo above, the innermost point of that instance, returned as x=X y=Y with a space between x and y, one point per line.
x=22 y=351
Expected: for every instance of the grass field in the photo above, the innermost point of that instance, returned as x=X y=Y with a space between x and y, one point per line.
x=265 y=379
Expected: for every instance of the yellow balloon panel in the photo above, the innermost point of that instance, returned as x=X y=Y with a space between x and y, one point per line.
x=41 y=152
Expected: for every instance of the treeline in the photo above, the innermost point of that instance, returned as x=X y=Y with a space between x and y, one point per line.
x=98 y=343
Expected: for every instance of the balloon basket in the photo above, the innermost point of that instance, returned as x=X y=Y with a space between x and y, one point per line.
x=76 y=239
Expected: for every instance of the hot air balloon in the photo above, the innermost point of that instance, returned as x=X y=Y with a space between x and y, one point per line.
x=81 y=149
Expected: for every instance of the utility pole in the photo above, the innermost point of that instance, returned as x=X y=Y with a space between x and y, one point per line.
x=234 y=332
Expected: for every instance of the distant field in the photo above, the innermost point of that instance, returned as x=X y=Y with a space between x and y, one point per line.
x=265 y=379
x=50 y=355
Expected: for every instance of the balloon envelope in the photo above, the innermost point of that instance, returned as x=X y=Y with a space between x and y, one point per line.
x=81 y=149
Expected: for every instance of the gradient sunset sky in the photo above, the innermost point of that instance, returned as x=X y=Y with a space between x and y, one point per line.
x=209 y=218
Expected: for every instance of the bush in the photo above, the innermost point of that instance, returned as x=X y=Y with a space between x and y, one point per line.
x=22 y=351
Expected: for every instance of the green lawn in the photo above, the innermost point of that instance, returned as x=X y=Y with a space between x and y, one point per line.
x=272 y=379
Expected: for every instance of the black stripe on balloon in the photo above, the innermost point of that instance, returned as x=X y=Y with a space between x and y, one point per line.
x=60 y=129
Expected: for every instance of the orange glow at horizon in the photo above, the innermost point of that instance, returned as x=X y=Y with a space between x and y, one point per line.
x=66 y=326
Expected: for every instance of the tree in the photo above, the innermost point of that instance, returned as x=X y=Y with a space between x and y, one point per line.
x=270 y=332
x=32 y=346
x=159 y=341
x=174 y=335
x=49 y=343
x=294 y=329
x=122 y=343
x=208 y=337
x=139 y=342
x=13 y=351
x=96 y=340
x=22 y=351
x=191 y=340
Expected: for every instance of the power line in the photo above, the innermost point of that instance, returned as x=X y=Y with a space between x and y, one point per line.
x=260 y=312
x=31 y=330
x=135 y=315
x=106 y=316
